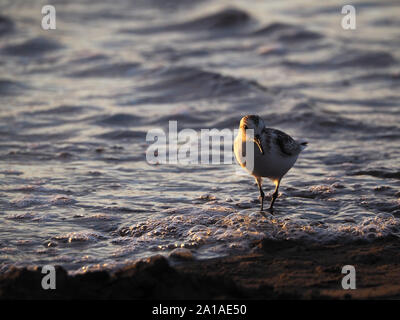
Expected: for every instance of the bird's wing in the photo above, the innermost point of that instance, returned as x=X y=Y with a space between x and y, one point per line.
x=287 y=145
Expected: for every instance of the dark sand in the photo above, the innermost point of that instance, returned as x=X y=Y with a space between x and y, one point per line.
x=276 y=270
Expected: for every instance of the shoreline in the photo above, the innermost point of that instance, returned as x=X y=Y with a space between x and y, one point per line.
x=294 y=270
x=274 y=270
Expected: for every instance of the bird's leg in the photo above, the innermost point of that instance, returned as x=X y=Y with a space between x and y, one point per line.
x=275 y=194
x=261 y=197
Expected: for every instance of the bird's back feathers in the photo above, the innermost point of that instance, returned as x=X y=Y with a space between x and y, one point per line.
x=287 y=145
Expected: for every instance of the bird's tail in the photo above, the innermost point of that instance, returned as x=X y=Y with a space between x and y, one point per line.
x=303 y=145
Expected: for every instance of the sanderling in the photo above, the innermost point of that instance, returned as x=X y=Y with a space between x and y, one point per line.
x=275 y=152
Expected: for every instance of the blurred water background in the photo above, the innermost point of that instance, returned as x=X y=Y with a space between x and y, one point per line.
x=76 y=104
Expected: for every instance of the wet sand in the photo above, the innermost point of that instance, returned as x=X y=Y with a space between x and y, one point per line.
x=294 y=270
x=274 y=270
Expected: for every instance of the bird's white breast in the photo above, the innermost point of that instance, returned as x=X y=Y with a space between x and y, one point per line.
x=272 y=164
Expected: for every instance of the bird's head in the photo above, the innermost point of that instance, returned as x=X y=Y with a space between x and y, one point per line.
x=256 y=124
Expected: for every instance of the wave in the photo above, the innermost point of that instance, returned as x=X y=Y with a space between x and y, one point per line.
x=119 y=119
x=188 y=83
x=107 y=70
x=122 y=135
x=90 y=58
x=26 y=216
x=33 y=47
x=222 y=229
x=387 y=22
x=79 y=237
x=60 y=110
x=288 y=33
x=300 y=35
x=32 y=201
x=11 y=87
x=273 y=28
x=350 y=59
x=6 y=25
x=378 y=173
x=392 y=77
x=311 y=117
x=224 y=19
x=228 y=20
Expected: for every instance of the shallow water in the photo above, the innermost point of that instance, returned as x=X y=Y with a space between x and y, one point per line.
x=76 y=104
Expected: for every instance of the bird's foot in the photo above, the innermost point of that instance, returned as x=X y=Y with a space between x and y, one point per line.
x=271 y=210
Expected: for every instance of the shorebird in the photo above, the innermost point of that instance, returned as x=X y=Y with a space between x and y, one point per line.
x=275 y=152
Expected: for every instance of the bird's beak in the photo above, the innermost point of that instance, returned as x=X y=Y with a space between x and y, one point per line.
x=257 y=141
